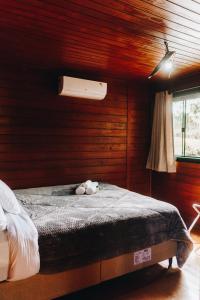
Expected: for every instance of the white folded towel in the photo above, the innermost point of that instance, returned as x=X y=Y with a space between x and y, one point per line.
x=86 y=184
x=87 y=187
x=80 y=190
x=92 y=188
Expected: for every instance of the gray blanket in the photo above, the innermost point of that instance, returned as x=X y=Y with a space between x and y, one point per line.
x=76 y=230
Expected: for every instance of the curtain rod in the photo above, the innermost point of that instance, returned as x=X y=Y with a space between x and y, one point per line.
x=184 y=90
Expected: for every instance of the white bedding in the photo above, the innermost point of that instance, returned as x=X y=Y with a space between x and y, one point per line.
x=4 y=255
x=22 y=241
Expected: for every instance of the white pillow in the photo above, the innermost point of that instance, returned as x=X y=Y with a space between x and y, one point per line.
x=3 y=221
x=8 y=200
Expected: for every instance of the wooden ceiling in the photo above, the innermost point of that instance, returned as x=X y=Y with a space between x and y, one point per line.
x=119 y=37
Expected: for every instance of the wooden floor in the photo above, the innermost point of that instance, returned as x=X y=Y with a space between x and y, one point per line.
x=154 y=283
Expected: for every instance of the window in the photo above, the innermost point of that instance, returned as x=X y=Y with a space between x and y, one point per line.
x=186 y=123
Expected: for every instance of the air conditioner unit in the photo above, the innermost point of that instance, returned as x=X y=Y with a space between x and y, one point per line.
x=82 y=88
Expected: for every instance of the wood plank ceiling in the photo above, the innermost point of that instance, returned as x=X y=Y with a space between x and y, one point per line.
x=116 y=37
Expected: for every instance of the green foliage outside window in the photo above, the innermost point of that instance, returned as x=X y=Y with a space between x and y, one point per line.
x=186 y=124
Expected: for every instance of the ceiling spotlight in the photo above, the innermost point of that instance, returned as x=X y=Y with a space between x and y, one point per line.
x=168 y=66
x=166 y=62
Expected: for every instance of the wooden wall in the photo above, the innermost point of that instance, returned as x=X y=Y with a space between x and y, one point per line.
x=138 y=138
x=182 y=188
x=47 y=139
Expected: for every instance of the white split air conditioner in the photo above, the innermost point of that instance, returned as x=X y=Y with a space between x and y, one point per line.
x=82 y=88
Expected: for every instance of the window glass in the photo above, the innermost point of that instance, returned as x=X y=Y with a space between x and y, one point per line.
x=192 y=133
x=186 y=125
x=177 y=125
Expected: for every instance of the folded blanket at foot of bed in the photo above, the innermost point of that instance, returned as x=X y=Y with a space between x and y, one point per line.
x=19 y=256
x=4 y=256
x=24 y=259
x=19 y=248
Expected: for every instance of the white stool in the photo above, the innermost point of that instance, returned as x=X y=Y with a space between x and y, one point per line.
x=197 y=209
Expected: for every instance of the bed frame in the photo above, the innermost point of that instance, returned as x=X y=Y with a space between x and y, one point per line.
x=45 y=287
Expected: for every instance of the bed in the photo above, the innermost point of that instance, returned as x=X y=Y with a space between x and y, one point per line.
x=84 y=240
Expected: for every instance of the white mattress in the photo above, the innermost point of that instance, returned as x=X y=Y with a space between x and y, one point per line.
x=4 y=255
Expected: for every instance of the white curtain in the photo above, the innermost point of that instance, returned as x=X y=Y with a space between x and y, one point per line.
x=161 y=155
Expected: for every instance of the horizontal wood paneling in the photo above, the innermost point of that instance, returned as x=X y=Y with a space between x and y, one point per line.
x=124 y=38
x=139 y=103
x=46 y=139
x=49 y=139
x=183 y=187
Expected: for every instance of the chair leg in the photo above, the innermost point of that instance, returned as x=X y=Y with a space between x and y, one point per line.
x=170 y=263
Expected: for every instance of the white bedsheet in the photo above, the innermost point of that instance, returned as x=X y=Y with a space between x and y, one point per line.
x=24 y=259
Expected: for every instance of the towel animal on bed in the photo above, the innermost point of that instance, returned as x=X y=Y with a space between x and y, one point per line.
x=88 y=187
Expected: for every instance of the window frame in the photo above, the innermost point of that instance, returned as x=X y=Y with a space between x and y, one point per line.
x=183 y=96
